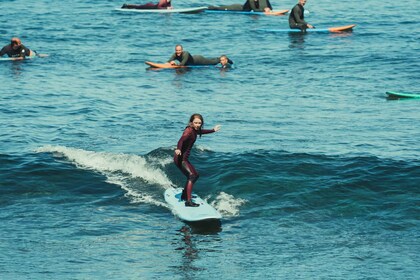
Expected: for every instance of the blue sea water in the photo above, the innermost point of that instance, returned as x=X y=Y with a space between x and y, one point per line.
x=316 y=173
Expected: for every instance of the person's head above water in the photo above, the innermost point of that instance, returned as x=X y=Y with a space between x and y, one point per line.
x=15 y=42
x=224 y=60
x=302 y=2
x=178 y=49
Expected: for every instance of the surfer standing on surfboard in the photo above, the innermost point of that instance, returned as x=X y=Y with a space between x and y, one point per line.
x=297 y=17
x=182 y=152
x=16 y=49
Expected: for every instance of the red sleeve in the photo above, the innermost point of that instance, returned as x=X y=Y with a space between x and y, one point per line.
x=207 y=131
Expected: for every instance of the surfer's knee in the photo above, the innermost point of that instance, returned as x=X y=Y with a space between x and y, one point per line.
x=193 y=177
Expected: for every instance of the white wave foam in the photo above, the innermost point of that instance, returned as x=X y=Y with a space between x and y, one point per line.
x=118 y=168
x=227 y=204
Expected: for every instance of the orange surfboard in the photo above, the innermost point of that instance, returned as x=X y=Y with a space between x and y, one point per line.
x=342 y=28
x=163 y=65
x=277 y=13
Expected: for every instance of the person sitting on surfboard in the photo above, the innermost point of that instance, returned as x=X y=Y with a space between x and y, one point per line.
x=16 y=49
x=184 y=58
x=163 y=4
x=249 y=5
x=182 y=152
x=297 y=17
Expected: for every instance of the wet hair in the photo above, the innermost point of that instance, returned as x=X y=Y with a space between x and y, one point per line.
x=182 y=48
x=15 y=41
x=197 y=116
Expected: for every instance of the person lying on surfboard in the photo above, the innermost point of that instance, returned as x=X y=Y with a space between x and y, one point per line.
x=184 y=58
x=16 y=49
x=182 y=152
x=297 y=17
x=163 y=4
x=249 y=5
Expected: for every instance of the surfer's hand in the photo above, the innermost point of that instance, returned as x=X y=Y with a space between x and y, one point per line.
x=310 y=26
x=178 y=152
x=217 y=127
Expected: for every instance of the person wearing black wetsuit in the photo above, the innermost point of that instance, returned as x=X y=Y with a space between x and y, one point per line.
x=182 y=154
x=297 y=17
x=257 y=6
x=184 y=58
x=16 y=49
x=249 y=5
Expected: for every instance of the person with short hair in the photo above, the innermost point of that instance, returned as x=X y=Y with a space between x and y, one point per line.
x=297 y=17
x=16 y=49
x=184 y=58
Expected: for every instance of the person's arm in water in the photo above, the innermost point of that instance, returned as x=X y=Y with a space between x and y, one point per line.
x=3 y=51
x=172 y=58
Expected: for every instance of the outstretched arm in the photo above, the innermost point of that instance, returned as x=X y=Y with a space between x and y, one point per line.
x=216 y=128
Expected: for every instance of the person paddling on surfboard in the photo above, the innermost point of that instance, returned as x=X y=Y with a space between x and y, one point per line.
x=184 y=58
x=182 y=152
x=249 y=5
x=163 y=4
x=297 y=17
x=16 y=49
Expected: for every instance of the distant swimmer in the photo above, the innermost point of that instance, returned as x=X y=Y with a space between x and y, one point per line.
x=249 y=5
x=182 y=153
x=184 y=58
x=297 y=17
x=16 y=50
x=163 y=4
x=224 y=62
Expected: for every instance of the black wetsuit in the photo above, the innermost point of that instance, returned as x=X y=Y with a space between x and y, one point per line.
x=250 y=5
x=297 y=18
x=233 y=7
x=21 y=51
x=256 y=6
x=187 y=59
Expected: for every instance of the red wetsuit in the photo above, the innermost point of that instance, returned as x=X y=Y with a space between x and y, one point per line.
x=163 y=4
x=185 y=144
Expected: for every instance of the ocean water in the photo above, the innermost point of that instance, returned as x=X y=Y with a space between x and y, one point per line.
x=316 y=173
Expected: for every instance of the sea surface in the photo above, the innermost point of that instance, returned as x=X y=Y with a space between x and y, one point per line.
x=315 y=171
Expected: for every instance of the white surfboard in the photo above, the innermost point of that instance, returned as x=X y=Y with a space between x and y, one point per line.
x=190 y=214
x=164 y=11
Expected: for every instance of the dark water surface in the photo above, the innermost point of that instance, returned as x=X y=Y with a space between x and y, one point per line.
x=315 y=172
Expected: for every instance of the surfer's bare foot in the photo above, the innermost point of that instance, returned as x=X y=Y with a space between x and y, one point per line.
x=189 y=203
